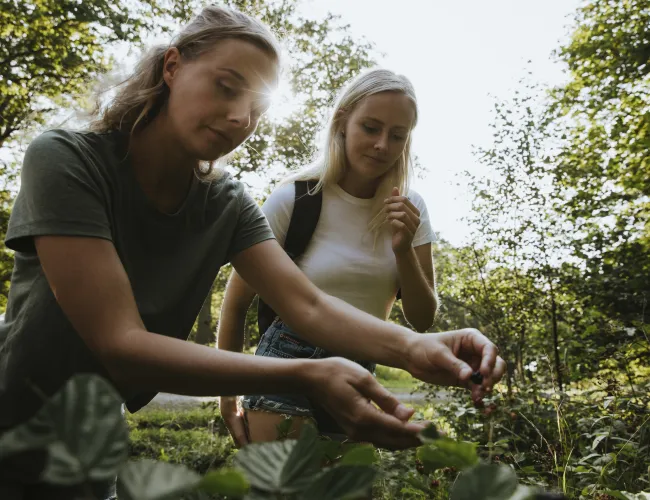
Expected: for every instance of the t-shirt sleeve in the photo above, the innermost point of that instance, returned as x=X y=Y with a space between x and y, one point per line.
x=252 y=227
x=61 y=193
x=278 y=209
x=424 y=233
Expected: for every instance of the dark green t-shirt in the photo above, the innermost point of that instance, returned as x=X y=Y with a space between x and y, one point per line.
x=82 y=184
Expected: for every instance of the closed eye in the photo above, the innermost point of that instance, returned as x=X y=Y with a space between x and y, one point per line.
x=370 y=130
x=227 y=91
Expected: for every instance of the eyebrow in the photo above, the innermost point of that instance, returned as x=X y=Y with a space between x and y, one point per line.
x=236 y=74
x=382 y=123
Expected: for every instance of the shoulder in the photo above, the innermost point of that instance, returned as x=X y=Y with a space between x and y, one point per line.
x=281 y=198
x=416 y=199
x=225 y=191
x=284 y=193
x=59 y=140
x=69 y=149
x=60 y=153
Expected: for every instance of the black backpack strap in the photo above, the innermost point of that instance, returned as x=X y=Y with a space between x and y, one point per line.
x=304 y=219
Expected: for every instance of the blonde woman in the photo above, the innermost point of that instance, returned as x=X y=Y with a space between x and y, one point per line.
x=373 y=237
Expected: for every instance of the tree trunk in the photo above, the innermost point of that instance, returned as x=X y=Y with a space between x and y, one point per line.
x=556 y=347
x=520 y=355
x=205 y=330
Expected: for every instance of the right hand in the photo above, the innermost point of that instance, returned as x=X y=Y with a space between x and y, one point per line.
x=347 y=391
x=234 y=420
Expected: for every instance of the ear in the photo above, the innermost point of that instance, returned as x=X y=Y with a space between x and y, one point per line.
x=341 y=119
x=171 y=63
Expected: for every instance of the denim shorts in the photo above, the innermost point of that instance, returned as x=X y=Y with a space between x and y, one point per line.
x=279 y=341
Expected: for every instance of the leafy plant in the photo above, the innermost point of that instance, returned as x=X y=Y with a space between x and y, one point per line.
x=84 y=435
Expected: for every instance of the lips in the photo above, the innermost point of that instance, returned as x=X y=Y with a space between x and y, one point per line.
x=221 y=134
x=378 y=160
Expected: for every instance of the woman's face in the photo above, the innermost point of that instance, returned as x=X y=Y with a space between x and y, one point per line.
x=217 y=99
x=376 y=132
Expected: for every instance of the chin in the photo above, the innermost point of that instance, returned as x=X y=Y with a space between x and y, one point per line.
x=209 y=153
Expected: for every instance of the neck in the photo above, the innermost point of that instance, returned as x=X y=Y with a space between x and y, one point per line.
x=162 y=168
x=357 y=187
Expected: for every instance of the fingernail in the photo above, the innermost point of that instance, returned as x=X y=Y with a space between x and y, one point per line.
x=402 y=412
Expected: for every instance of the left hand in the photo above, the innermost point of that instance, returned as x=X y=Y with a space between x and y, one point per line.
x=450 y=358
x=404 y=220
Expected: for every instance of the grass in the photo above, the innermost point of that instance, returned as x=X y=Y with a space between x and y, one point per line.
x=394 y=378
x=195 y=437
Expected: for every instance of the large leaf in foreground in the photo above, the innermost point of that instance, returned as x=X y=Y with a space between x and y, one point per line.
x=82 y=429
x=150 y=480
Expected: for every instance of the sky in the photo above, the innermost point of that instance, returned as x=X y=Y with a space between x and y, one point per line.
x=460 y=56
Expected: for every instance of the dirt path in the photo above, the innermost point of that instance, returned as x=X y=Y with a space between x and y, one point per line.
x=165 y=400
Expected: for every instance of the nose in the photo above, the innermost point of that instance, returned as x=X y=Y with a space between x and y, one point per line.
x=239 y=115
x=382 y=142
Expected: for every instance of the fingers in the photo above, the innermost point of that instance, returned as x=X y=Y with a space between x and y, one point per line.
x=388 y=432
x=385 y=400
x=492 y=366
x=457 y=369
x=402 y=208
x=489 y=358
x=387 y=425
x=403 y=200
x=405 y=222
x=234 y=421
x=475 y=345
x=237 y=428
x=500 y=367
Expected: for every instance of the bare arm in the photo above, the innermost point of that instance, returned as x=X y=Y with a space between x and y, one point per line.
x=90 y=284
x=232 y=321
x=322 y=319
x=447 y=358
x=417 y=282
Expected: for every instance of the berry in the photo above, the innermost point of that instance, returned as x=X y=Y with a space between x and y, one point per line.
x=477 y=378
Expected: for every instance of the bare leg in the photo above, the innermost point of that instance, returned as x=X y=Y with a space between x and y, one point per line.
x=263 y=425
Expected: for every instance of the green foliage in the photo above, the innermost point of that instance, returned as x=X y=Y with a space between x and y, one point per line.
x=82 y=430
x=584 y=443
x=601 y=167
x=487 y=481
x=229 y=482
x=289 y=469
x=360 y=455
x=198 y=448
x=150 y=480
x=394 y=378
x=51 y=50
x=445 y=452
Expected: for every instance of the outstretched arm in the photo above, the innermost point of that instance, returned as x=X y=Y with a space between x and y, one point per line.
x=94 y=291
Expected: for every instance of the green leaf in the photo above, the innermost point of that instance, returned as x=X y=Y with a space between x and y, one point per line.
x=229 y=482
x=429 y=433
x=485 y=481
x=446 y=452
x=329 y=450
x=150 y=480
x=284 y=427
x=343 y=481
x=364 y=454
x=282 y=467
x=82 y=429
x=617 y=494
